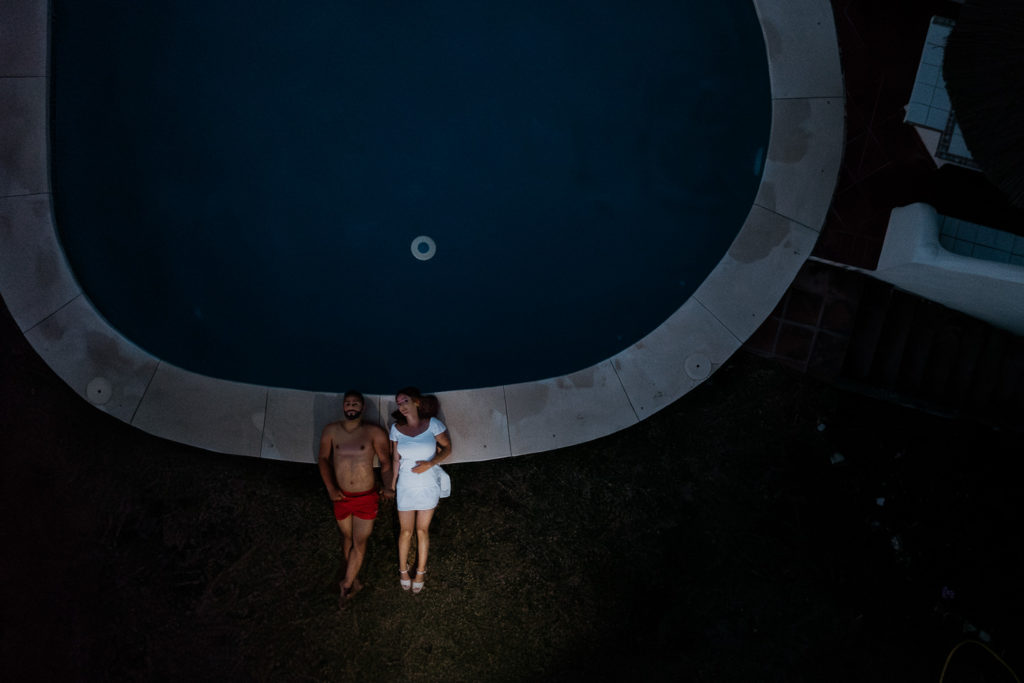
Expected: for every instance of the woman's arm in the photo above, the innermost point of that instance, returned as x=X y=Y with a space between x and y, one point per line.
x=444 y=449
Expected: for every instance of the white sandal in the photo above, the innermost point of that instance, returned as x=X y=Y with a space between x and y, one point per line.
x=417 y=586
x=404 y=583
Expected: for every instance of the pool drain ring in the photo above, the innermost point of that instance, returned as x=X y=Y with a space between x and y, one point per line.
x=418 y=250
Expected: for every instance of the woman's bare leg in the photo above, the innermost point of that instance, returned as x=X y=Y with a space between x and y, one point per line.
x=406 y=523
x=423 y=518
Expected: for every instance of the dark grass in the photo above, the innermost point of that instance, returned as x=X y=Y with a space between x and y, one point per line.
x=714 y=541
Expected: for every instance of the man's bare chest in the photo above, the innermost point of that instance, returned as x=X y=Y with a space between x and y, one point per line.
x=353 y=449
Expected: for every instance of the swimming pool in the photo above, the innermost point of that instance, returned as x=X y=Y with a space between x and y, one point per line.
x=240 y=195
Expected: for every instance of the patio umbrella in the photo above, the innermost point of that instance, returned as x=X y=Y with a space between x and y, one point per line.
x=984 y=72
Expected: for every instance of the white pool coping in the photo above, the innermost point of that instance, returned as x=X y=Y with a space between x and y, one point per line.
x=105 y=368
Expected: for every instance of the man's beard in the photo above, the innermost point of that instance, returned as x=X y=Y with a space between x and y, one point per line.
x=353 y=414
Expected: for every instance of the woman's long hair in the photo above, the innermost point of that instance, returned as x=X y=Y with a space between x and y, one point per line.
x=428 y=405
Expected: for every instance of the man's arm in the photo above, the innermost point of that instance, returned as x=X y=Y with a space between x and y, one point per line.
x=383 y=451
x=394 y=464
x=324 y=461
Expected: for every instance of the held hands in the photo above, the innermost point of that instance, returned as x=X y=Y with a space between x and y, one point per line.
x=387 y=493
x=422 y=466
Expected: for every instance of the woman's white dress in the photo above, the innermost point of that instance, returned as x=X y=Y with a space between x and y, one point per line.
x=419 y=491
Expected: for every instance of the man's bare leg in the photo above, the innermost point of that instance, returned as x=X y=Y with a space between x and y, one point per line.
x=345 y=526
x=352 y=529
x=355 y=555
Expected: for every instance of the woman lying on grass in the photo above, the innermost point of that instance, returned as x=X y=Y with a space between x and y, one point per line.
x=419 y=442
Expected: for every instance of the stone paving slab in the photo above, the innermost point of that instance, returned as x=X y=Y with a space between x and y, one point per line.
x=34 y=275
x=23 y=151
x=221 y=416
x=93 y=359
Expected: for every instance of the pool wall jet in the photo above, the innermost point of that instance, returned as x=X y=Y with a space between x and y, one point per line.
x=117 y=377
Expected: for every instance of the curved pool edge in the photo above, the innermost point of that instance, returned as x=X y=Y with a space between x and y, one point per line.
x=799 y=177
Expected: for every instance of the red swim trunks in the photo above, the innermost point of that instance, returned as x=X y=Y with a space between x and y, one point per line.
x=362 y=505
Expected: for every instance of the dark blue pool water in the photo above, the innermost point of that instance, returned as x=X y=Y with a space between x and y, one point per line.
x=238 y=190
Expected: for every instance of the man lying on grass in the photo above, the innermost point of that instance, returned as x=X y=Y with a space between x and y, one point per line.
x=347 y=448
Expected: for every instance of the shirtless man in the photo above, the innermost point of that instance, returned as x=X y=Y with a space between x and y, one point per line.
x=347 y=448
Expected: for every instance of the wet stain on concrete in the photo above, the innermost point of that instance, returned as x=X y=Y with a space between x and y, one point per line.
x=760 y=238
x=791 y=137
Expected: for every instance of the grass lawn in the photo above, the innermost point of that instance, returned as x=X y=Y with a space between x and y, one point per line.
x=715 y=541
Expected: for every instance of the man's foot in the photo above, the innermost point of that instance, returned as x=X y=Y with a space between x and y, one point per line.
x=403 y=579
x=417 y=585
x=346 y=595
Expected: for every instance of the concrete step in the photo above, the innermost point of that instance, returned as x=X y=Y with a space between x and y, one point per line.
x=870 y=319
x=899 y=319
x=982 y=386
x=918 y=352
x=965 y=372
x=877 y=340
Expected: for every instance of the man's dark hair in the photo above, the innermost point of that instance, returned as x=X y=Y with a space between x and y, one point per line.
x=353 y=393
